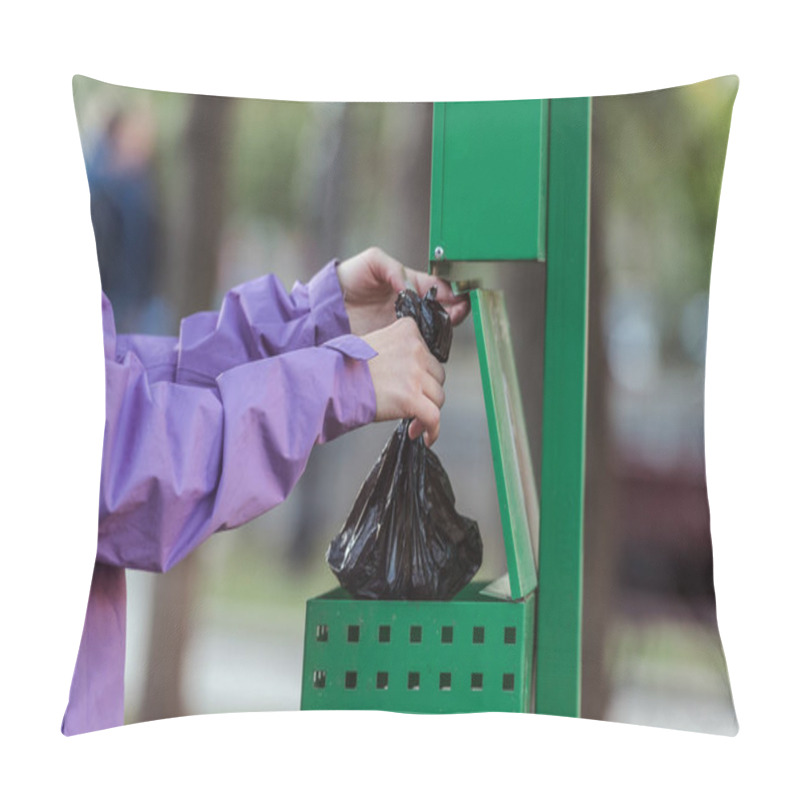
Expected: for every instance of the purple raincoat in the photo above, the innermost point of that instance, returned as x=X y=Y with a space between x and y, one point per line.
x=204 y=433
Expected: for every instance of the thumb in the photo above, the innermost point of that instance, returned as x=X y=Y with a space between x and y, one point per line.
x=390 y=271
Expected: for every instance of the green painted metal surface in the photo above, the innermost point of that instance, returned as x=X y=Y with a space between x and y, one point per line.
x=558 y=668
x=471 y=653
x=516 y=489
x=488 y=180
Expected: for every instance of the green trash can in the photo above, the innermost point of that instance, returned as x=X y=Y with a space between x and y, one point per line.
x=471 y=653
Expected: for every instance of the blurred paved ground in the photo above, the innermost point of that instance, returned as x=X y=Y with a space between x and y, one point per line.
x=249 y=661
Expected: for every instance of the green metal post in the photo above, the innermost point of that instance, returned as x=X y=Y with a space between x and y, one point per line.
x=558 y=668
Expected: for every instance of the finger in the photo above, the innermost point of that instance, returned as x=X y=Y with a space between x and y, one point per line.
x=434 y=368
x=423 y=282
x=456 y=305
x=415 y=429
x=427 y=413
x=387 y=269
x=459 y=310
x=444 y=292
x=430 y=436
x=433 y=390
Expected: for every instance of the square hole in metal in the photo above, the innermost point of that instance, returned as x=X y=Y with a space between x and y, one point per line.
x=477 y=634
x=510 y=635
x=413 y=680
x=477 y=681
x=382 y=680
x=353 y=633
x=322 y=633
x=445 y=681
x=318 y=679
x=350 y=680
x=447 y=634
x=508 y=682
x=384 y=633
x=415 y=634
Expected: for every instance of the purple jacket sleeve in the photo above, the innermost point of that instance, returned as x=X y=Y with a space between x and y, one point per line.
x=257 y=319
x=185 y=458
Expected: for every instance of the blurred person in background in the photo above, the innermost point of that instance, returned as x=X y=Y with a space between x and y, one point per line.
x=119 y=169
x=208 y=430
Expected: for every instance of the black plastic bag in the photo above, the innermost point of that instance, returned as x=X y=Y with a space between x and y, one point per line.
x=431 y=318
x=403 y=539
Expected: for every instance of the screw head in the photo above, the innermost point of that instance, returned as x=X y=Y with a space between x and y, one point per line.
x=439 y=252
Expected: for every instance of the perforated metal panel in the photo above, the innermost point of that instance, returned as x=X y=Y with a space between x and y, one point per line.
x=472 y=653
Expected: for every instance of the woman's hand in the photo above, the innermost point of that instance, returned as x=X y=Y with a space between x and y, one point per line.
x=371 y=282
x=408 y=380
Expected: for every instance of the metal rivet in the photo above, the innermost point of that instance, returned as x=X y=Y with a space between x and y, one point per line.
x=439 y=252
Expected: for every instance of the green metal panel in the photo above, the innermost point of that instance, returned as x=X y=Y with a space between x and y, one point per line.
x=471 y=653
x=488 y=180
x=558 y=669
x=516 y=489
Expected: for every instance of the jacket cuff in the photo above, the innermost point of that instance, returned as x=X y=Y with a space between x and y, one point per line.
x=327 y=304
x=352 y=346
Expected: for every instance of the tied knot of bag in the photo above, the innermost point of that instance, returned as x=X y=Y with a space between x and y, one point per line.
x=431 y=317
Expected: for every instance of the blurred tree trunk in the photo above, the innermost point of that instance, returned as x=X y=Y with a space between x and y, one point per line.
x=327 y=188
x=323 y=228
x=404 y=147
x=191 y=282
x=601 y=535
x=406 y=181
